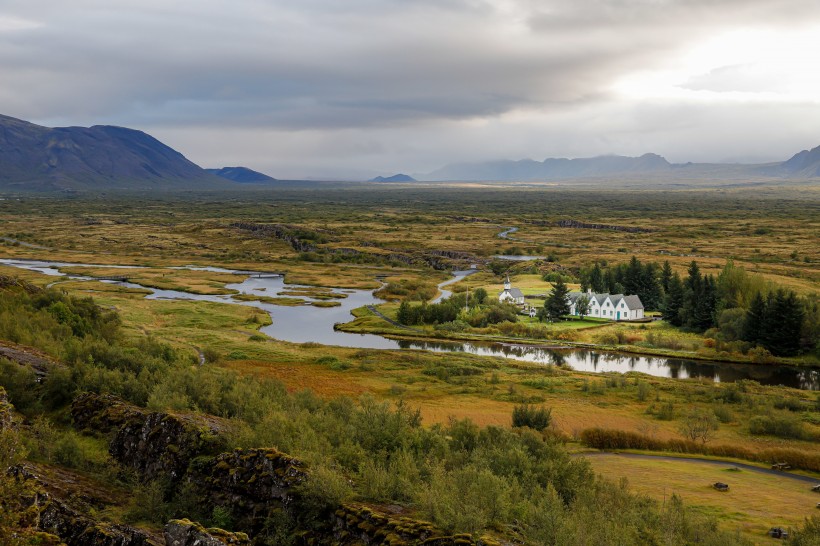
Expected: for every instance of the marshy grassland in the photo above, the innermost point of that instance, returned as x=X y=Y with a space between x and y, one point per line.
x=408 y=238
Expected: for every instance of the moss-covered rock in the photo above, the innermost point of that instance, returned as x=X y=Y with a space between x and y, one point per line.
x=155 y=444
x=183 y=532
x=254 y=483
x=358 y=524
x=55 y=518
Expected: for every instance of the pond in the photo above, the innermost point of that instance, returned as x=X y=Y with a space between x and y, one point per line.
x=306 y=323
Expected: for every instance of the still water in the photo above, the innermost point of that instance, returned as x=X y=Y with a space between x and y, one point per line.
x=306 y=323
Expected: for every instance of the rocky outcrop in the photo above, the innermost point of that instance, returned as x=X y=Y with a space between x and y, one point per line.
x=358 y=524
x=583 y=225
x=154 y=444
x=253 y=483
x=183 y=532
x=57 y=518
x=39 y=362
x=289 y=234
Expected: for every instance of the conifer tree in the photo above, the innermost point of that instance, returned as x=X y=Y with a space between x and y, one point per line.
x=596 y=279
x=666 y=276
x=673 y=301
x=557 y=304
x=754 y=323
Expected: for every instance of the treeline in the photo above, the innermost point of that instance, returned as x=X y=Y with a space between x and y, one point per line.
x=478 y=312
x=634 y=278
x=737 y=306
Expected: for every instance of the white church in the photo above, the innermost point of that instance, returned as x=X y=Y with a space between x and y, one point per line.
x=611 y=306
x=510 y=294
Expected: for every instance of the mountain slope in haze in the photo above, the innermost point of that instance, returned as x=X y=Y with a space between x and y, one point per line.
x=805 y=164
x=242 y=175
x=553 y=168
x=395 y=178
x=39 y=158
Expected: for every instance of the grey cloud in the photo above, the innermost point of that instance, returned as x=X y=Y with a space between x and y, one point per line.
x=418 y=77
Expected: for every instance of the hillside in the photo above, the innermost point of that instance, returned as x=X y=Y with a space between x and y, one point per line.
x=242 y=175
x=36 y=158
x=805 y=164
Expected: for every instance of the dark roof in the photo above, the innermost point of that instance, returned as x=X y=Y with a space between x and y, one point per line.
x=633 y=302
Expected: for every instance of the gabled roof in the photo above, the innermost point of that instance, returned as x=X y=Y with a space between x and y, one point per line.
x=515 y=292
x=633 y=302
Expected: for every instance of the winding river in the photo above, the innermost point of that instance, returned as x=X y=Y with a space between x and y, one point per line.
x=306 y=323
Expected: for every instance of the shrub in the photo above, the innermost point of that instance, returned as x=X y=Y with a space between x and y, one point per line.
x=537 y=418
x=643 y=390
x=723 y=414
x=782 y=426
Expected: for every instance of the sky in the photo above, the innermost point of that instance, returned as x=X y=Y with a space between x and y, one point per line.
x=355 y=88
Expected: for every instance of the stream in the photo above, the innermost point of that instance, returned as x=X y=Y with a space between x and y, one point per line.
x=306 y=323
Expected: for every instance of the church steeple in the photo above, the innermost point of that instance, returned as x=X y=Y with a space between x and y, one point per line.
x=507 y=284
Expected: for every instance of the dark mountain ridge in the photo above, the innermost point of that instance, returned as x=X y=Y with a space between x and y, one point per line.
x=242 y=175
x=39 y=158
x=395 y=178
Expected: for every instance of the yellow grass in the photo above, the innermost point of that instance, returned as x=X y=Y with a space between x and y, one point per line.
x=754 y=503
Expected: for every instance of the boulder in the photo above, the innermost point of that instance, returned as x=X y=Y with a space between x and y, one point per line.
x=183 y=532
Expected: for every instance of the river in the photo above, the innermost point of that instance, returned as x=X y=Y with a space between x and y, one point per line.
x=306 y=323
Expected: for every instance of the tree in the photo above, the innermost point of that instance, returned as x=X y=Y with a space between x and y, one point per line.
x=782 y=324
x=596 y=279
x=404 y=314
x=755 y=317
x=666 y=276
x=557 y=304
x=699 y=425
x=479 y=295
x=673 y=302
x=703 y=317
x=582 y=306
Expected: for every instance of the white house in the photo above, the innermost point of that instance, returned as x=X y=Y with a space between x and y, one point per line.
x=614 y=307
x=510 y=294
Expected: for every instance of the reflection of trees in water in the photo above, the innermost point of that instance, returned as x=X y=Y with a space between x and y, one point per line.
x=597 y=361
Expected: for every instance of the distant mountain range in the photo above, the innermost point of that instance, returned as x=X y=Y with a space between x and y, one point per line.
x=394 y=178
x=242 y=175
x=805 y=164
x=102 y=157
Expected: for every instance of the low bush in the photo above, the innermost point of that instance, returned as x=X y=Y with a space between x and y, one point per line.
x=535 y=417
x=782 y=426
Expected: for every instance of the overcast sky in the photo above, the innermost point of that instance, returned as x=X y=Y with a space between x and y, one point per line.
x=346 y=88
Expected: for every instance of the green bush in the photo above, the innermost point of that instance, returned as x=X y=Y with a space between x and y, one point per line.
x=535 y=417
x=782 y=426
